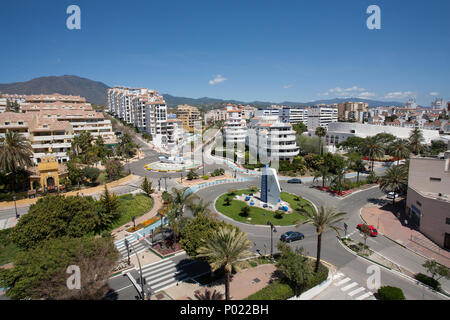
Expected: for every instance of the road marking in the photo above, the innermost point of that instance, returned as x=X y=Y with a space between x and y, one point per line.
x=368 y=294
x=343 y=281
x=351 y=285
x=337 y=276
x=352 y=293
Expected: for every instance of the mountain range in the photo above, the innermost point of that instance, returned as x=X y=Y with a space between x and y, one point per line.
x=95 y=92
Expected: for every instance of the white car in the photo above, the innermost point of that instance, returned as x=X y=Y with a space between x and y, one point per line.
x=390 y=195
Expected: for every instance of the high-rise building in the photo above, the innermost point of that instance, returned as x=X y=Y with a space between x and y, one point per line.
x=321 y=116
x=190 y=116
x=438 y=103
x=235 y=128
x=352 y=110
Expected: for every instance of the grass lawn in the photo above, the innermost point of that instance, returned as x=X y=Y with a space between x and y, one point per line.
x=131 y=206
x=8 y=249
x=256 y=214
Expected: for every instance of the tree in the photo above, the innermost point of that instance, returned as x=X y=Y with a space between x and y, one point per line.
x=351 y=144
x=373 y=149
x=146 y=186
x=321 y=132
x=109 y=209
x=198 y=207
x=245 y=211
x=322 y=220
x=227 y=201
x=208 y=295
x=41 y=273
x=192 y=175
x=74 y=171
x=113 y=169
x=395 y=180
x=56 y=216
x=437 y=270
x=91 y=174
x=399 y=149
x=365 y=232
x=324 y=173
x=227 y=248
x=300 y=127
x=295 y=267
x=339 y=178
x=15 y=153
x=390 y=293
x=416 y=141
x=357 y=164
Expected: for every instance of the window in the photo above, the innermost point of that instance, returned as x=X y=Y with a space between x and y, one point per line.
x=435 y=179
x=419 y=204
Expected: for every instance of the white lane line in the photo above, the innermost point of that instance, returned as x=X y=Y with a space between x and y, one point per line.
x=368 y=294
x=343 y=281
x=352 y=293
x=337 y=276
x=351 y=285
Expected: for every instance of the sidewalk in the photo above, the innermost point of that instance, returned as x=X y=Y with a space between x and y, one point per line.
x=242 y=285
x=389 y=225
x=120 y=232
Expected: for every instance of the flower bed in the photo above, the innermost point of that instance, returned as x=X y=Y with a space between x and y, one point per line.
x=145 y=223
x=164 y=251
x=336 y=193
x=385 y=159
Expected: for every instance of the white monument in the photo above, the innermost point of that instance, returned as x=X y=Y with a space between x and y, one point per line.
x=270 y=186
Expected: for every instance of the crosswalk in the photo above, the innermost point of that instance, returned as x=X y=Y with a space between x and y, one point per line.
x=133 y=243
x=163 y=274
x=351 y=288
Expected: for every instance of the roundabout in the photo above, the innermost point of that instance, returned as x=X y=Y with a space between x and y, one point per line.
x=161 y=166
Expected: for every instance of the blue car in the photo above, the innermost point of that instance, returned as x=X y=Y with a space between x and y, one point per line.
x=291 y=236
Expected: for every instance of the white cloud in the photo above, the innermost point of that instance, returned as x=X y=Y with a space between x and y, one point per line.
x=399 y=95
x=434 y=93
x=287 y=86
x=217 y=79
x=366 y=95
x=354 y=91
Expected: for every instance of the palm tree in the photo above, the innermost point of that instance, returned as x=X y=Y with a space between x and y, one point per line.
x=416 y=141
x=339 y=178
x=15 y=152
x=357 y=164
x=321 y=132
x=179 y=199
x=395 y=180
x=373 y=148
x=227 y=248
x=324 y=173
x=208 y=295
x=399 y=148
x=198 y=207
x=322 y=220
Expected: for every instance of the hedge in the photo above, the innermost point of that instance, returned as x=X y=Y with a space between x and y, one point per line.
x=277 y=290
x=390 y=293
x=428 y=281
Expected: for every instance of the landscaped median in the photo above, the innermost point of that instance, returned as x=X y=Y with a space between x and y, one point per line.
x=261 y=216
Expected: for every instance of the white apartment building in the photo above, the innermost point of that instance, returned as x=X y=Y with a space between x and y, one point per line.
x=294 y=115
x=321 y=116
x=341 y=131
x=3 y=104
x=175 y=132
x=235 y=128
x=439 y=103
x=269 y=137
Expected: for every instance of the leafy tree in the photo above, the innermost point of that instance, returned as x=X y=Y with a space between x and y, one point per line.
x=373 y=149
x=356 y=164
x=321 y=132
x=352 y=144
x=308 y=144
x=113 y=169
x=91 y=173
x=395 y=180
x=15 y=153
x=295 y=267
x=313 y=161
x=438 y=146
x=227 y=201
x=299 y=165
x=192 y=175
x=146 y=186
x=385 y=138
x=166 y=197
x=365 y=232
x=109 y=210
x=416 y=141
x=437 y=270
x=226 y=249
x=300 y=127
x=74 y=171
x=40 y=273
x=322 y=220
x=339 y=178
x=324 y=173
x=56 y=216
x=245 y=211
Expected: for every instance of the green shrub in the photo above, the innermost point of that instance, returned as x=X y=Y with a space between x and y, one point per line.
x=278 y=214
x=205 y=177
x=274 y=291
x=429 y=281
x=390 y=293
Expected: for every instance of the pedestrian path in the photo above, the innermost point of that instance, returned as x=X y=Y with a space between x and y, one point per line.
x=163 y=274
x=7 y=223
x=133 y=243
x=351 y=288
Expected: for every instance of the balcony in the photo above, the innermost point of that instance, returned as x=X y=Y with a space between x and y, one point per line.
x=52 y=138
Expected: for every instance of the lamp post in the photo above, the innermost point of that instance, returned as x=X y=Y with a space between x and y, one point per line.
x=134 y=222
x=15 y=207
x=159 y=184
x=128 y=250
x=272 y=230
x=142 y=293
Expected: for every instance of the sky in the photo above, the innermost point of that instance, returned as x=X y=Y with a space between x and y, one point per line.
x=245 y=50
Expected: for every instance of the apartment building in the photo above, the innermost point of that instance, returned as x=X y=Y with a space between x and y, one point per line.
x=3 y=104
x=235 y=128
x=294 y=115
x=438 y=104
x=269 y=136
x=174 y=132
x=321 y=116
x=190 y=116
x=215 y=115
x=428 y=198
x=352 y=110
x=47 y=136
x=55 y=97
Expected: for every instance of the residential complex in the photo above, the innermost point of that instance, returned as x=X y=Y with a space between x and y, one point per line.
x=321 y=116
x=235 y=127
x=428 y=198
x=190 y=116
x=352 y=111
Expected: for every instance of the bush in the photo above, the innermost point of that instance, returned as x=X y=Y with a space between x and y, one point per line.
x=205 y=177
x=277 y=290
x=429 y=281
x=390 y=293
x=278 y=214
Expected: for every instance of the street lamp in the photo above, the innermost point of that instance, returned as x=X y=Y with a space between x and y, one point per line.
x=272 y=230
x=15 y=207
x=128 y=250
x=140 y=269
x=159 y=184
x=134 y=221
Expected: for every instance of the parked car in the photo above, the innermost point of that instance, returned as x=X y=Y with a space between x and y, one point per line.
x=373 y=231
x=295 y=180
x=291 y=236
x=390 y=195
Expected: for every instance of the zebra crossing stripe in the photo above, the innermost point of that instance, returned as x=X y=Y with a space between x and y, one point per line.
x=351 y=285
x=366 y=295
x=352 y=293
x=343 y=281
